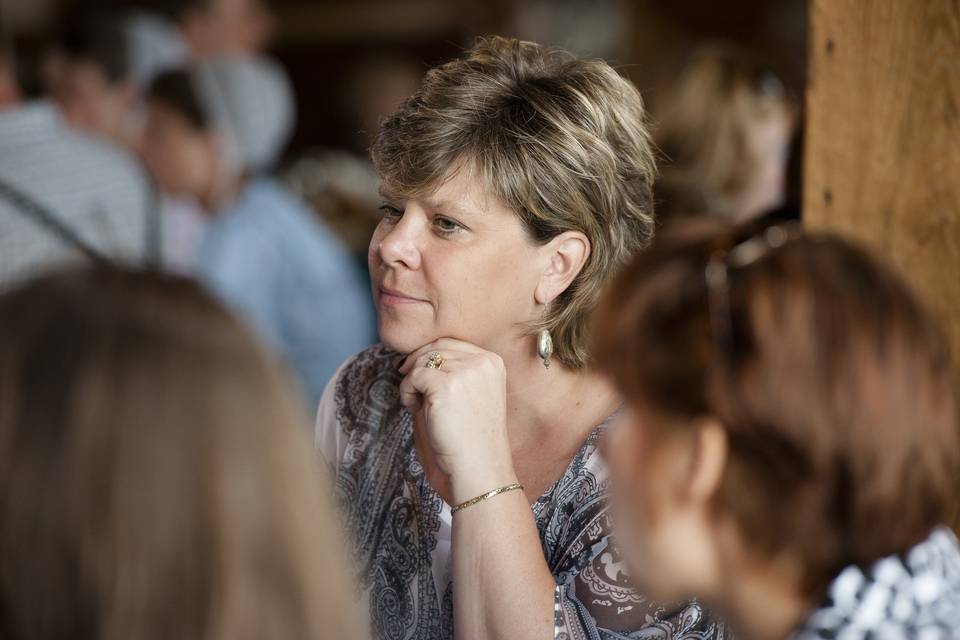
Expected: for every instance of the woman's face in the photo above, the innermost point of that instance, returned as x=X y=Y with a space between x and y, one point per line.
x=455 y=263
x=183 y=159
x=664 y=535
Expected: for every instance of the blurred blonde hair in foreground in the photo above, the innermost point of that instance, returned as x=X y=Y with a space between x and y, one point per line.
x=725 y=128
x=156 y=479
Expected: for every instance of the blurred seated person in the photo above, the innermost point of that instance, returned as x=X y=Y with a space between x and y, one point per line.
x=155 y=479
x=213 y=131
x=725 y=129
x=792 y=404
x=216 y=27
x=90 y=77
x=64 y=196
x=180 y=31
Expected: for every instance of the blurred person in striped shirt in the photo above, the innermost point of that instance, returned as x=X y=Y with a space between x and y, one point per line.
x=65 y=196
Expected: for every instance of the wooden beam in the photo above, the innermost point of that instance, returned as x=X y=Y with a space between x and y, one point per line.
x=883 y=137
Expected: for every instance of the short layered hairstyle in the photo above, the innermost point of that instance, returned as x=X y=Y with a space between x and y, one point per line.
x=562 y=141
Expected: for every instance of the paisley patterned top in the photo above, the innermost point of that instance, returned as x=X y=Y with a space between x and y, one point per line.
x=401 y=528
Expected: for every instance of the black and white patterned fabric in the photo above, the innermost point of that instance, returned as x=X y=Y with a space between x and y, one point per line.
x=402 y=528
x=913 y=596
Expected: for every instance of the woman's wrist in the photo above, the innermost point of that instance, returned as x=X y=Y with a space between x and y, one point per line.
x=467 y=484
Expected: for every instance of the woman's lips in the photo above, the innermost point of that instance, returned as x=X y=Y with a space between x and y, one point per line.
x=393 y=298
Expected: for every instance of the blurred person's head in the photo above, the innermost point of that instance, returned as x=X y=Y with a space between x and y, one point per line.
x=789 y=412
x=155 y=474
x=23 y=60
x=514 y=182
x=218 y=27
x=212 y=124
x=725 y=128
x=377 y=87
x=90 y=74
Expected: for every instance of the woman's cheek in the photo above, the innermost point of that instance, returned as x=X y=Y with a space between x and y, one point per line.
x=373 y=251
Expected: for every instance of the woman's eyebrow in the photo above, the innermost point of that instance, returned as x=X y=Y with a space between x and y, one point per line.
x=453 y=207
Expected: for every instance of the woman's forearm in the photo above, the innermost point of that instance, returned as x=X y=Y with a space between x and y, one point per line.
x=502 y=586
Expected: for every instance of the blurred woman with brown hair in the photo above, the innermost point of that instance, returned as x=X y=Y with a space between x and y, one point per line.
x=725 y=129
x=790 y=442
x=155 y=479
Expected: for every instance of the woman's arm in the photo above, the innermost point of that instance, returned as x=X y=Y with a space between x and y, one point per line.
x=502 y=586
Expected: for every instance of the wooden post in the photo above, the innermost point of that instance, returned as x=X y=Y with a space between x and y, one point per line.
x=883 y=137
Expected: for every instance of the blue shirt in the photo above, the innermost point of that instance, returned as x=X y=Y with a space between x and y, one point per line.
x=271 y=259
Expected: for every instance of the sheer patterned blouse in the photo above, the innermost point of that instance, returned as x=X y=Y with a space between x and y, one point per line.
x=401 y=528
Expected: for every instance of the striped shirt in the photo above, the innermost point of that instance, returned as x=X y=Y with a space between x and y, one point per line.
x=93 y=189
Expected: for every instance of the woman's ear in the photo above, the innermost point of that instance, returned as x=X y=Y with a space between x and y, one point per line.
x=565 y=257
x=708 y=459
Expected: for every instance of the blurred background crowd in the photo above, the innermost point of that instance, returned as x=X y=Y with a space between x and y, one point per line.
x=226 y=139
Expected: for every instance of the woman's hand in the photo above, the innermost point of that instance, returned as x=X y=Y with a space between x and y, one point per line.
x=464 y=410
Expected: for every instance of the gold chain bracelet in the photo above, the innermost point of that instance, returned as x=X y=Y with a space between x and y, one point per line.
x=486 y=496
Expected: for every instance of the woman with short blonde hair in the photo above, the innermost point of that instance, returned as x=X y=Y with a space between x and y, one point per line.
x=514 y=183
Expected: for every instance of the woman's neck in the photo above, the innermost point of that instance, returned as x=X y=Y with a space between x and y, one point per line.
x=542 y=401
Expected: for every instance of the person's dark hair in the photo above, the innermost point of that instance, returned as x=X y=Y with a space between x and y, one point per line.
x=156 y=480
x=833 y=382
x=177 y=10
x=26 y=53
x=97 y=38
x=175 y=89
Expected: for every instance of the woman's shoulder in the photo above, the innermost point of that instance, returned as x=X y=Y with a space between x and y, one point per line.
x=374 y=362
x=363 y=391
x=911 y=595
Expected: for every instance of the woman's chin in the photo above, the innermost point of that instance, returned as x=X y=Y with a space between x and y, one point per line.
x=402 y=341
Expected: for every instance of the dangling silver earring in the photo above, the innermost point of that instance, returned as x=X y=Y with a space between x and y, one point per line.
x=545 y=347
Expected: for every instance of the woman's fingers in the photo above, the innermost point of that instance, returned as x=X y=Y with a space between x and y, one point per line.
x=463 y=403
x=447 y=347
x=411 y=396
x=419 y=383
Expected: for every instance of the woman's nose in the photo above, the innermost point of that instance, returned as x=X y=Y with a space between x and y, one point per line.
x=401 y=246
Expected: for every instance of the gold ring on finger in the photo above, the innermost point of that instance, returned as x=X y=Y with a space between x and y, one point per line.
x=435 y=361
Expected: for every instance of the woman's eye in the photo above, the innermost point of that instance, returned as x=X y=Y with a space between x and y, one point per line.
x=389 y=211
x=445 y=225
